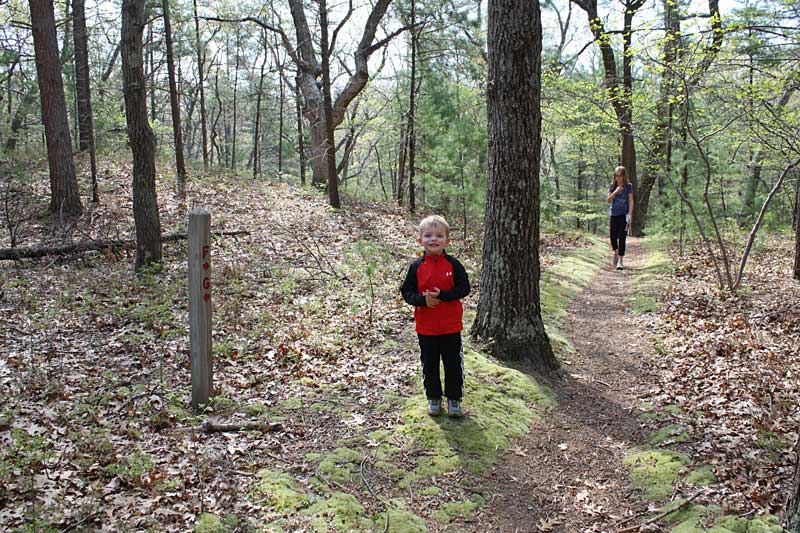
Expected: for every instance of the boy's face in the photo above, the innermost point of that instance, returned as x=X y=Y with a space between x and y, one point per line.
x=433 y=239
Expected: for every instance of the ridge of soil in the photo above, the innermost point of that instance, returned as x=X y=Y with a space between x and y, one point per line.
x=567 y=474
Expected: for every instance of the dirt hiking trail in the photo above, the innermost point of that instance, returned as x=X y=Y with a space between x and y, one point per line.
x=567 y=473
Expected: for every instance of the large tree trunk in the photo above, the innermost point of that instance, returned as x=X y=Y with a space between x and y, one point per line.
x=64 y=196
x=658 y=162
x=175 y=105
x=145 y=205
x=509 y=311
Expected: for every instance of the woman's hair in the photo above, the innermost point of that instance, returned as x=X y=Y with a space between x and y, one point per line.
x=620 y=171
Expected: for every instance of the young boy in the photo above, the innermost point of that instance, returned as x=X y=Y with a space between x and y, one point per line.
x=434 y=285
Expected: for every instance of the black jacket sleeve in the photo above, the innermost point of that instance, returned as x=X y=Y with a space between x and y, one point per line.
x=410 y=289
x=460 y=282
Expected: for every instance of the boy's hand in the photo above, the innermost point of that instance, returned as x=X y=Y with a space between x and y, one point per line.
x=432 y=297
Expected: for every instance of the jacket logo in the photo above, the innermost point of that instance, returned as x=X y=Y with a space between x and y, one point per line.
x=448 y=274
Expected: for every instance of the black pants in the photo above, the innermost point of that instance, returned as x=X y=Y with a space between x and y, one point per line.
x=617 y=227
x=448 y=349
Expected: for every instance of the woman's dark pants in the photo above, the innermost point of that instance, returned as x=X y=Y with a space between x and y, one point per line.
x=618 y=231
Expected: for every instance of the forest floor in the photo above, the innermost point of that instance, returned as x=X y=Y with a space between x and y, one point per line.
x=672 y=395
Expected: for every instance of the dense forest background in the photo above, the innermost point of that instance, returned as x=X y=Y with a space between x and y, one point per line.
x=317 y=134
x=701 y=97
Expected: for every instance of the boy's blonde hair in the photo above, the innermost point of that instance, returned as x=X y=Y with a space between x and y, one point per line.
x=434 y=220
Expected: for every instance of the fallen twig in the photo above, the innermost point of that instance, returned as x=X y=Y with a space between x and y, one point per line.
x=32 y=252
x=213 y=427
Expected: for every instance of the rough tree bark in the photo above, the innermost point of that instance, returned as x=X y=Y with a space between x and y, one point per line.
x=329 y=144
x=175 y=106
x=64 y=196
x=509 y=312
x=145 y=205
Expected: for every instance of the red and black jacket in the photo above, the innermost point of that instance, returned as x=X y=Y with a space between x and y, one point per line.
x=426 y=273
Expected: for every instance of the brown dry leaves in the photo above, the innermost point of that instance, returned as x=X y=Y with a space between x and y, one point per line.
x=731 y=365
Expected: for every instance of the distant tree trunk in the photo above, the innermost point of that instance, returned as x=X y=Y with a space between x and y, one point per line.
x=580 y=191
x=83 y=92
x=329 y=144
x=150 y=73
x=509 y=311
x=301 y=149
x=177 y=133
x=201 y=72
x=281 y=96
x=401 y=166
x=145 y=204
x=235 y=107
x=412 y=89
x=19 y=119
x=256 y=140
x=797 y=231
x=64 y=196
x=657 y=162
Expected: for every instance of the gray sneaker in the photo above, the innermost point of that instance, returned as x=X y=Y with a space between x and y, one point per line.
x=454 y=408
x=620 y=266
x=434 y=407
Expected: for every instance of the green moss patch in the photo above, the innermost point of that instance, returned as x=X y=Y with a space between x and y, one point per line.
x=701 y=476
x=655 y=471
x=281 y=492
x=461 y=508
x=669 y=435
x=208 y=523
x=341 y=465
x=341 y=511
x=401 y=520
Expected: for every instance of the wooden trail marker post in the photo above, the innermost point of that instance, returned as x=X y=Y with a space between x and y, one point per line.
x=200 y=306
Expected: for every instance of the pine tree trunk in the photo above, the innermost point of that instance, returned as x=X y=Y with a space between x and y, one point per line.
x=174 y=102
x=64 y=196
x=509 y=312
x=145 y=204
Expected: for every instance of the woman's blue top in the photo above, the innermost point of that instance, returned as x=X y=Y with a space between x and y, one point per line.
x=620 y=204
